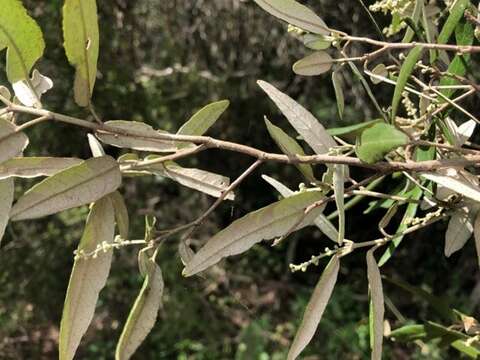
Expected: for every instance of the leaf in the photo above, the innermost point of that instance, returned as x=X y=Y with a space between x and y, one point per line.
x=459 y=230
x=453 y=180
x=376 y=298
x=81 y=43
x=296 y=14
x=354 y=129
x=143 y=314
x=315 y=308
x=380 y=70
x=465 y=131
x=6 y=198
x=408 y=333
x=22 y=37
x=301 y=119
x=95 y=147
x=200 y=180
x=314 y=64
x=30 y=92
x=316 y=42
x=337 y=86
x=405 y=72
x=476 y=232
x=417 y=12
x=87 y=279
x=377 y=141
x=77 y=185
x=31 y=167
x=141 y=137
x=456 y=14
x=121 y=214
x=290 y=147
x=12 y=143
x=266 y=223
x=338 y=187
x=277 y=185
x=204 y=118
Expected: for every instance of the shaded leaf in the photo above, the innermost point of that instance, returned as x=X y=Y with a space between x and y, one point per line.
x=459 y=230
x=316 y=42
x=476 y=232
x=31 y=167
x=301 y=119
x=337 y=86
x=87 y=279
x=266 y=223
x=6 y=198
x=204 y=118
x=290 y=147
x=456 y=14
x=143 y=137
x=380 y=70
x=339 y=190
x=315 y=308
x=77 y=185
x=314 y=64
x=121 y=214
x=144 y=312
x=376 y=298
x=30 y=93
x=22 y=37
x=377 y=141
x=296 y=14
x=81 y=43
x=12 y=143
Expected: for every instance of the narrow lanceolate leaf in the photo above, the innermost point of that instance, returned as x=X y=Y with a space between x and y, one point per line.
x=376 y=297
x=377 y=141
x=296 y=14
x=22 y=37
x=81 y=42
x=337 y=86
x=140 y=136
x=121 y=214
x=456 y=14
x=458 y=183
x=355 y=129
x=476 y=231
x=338 y=187
x=78 y=185
x=6 y=199
x=12 y=143
x=143 y=314
x=204 y=118
x=87 y=279
x=31 y=167
x=267 y=223
x=301 y=119
x=315 y=64
x=459 y=230
x=405 y=72
x=315 y=308
x=290 y=147
x=95 y=147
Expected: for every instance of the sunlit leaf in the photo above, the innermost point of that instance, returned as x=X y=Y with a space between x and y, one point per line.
x=12 y=143
x=77 y=185
x=459 y=230
x=296 y=14
x=144 y=312
x=81 y=43
x=377 y=141
x=95 y=147
x=290 y=147
x=121 y=214
x=140 y=137
x=204 y=118
x=315 y=308
x=376 y=298
x=6 y=198
x=301 y=119
x=87 y=279
x=354 y=129
x=451 y=179
x=264 y=224
x=314 y=64
x=22 y=37
x=31 y=167
x=30 y=92
x=337 y=86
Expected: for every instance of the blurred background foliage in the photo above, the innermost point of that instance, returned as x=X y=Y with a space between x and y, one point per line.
x=161 y=61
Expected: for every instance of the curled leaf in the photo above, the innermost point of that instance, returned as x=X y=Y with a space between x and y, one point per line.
x=30 y=93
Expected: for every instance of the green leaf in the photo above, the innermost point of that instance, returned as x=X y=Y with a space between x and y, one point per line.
x=144 y=312
x=456 y=14
x=417 y=12
x=378 y=308
x=87 y=279
x=78 y=185
x=405 y=72
x=316 y=42
x=135 y=135
x=377 y=141
x=409 y=333
x=315 y=308
x=22 y=37
x=354 y=129
x=290 y=147
x=81 y=42
x=296 y=14
x=301 y=119
x=12 y=143
x=121 y=214
x=6 y=198
x=266 y=223
x=314 y=64
x=31 y=167
x=204 y=118
x=337 y=86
